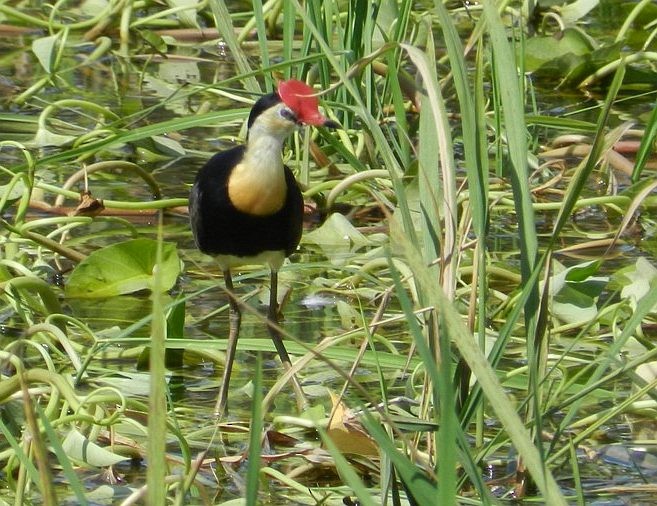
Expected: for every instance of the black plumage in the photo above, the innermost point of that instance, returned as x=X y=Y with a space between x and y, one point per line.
x=221 y=229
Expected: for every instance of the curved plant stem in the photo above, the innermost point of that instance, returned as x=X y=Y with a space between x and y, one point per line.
x=109 y=166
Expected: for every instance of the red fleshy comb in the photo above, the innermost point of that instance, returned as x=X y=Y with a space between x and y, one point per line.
x=301 y=98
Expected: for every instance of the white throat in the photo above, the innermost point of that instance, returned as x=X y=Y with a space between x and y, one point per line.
x=264 y=152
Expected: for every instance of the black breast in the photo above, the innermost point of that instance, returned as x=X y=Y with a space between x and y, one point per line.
x=220 y=229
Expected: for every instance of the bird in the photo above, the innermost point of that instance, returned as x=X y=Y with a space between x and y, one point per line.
x=246 y=207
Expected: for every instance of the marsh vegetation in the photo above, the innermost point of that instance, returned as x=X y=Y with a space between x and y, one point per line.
x=471 y=311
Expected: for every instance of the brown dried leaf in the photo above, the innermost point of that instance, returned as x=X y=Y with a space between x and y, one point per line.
x=88 y=206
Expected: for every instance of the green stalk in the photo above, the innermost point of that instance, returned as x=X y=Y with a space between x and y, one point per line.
x=157 y=405
x=255 y=437
x=225 y=28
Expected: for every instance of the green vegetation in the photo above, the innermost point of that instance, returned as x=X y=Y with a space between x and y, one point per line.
x=473 y=319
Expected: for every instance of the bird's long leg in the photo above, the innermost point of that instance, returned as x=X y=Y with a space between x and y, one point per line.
x=234 y=320
x=272 y=316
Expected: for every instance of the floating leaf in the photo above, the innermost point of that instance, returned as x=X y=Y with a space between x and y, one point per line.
x=337 y=237
x=188 y=13
x=134 y=384
x=45 y=49
x=347 y=433
x=123 y=268
x=13 y=190
x=647 y=371
x=349 y=316
x=575 y=11
x=539 y=51
x=79 y=448
x=640 y=279
x=45 y=137
x=168 y=145
x=576 y=291
x=92 y=7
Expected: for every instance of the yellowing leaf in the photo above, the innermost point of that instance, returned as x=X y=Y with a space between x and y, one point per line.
x=347 y=433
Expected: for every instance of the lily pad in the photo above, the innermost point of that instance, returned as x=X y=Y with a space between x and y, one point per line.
x=123 y=268
x=541 y=50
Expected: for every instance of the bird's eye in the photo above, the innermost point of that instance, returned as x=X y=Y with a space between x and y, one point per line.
x=288 y=115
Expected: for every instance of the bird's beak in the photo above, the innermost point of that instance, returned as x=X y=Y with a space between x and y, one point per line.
x=312 y=116
x=329 y=123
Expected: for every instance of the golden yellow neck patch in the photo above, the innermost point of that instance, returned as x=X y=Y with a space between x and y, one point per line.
x=257 y=192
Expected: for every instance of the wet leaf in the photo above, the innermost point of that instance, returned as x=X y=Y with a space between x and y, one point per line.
x=104 y=494
x=154 y=40
x=577 y=10
x=93 y=7
x=45 y=49
x=81 y=449
x=347 y=433
x=13 y=191
x=640 y=277
x=123 y=268
x=138 y=384
x=188 y=14
x=581 y=272
x=541 y=50
x=647 y=372
x=45 y=137
x=576 y=291
x=337 y=237
x=168 y=145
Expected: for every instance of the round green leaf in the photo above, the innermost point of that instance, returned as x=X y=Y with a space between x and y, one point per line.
x=123 y=268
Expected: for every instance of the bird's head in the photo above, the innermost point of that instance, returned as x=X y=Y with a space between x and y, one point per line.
x=278 y=114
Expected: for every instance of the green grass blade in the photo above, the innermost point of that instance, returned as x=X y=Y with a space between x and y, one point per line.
x=516 y=132
x=647 y=145
x=424 y=490
x=506 y=79
x=31 y=470
x=157 y=404
x=145 y=132
x=226 y=29
x=255 y=437
x=440 y=379
x=475 y=146
x=261 y=30
x=289 y=21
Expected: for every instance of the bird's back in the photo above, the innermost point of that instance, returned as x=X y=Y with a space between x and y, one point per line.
x=221 y=229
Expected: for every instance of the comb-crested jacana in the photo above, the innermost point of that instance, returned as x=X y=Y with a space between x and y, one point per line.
x=246 y=206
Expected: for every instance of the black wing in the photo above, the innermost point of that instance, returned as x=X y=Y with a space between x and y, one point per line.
x=219 y=228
